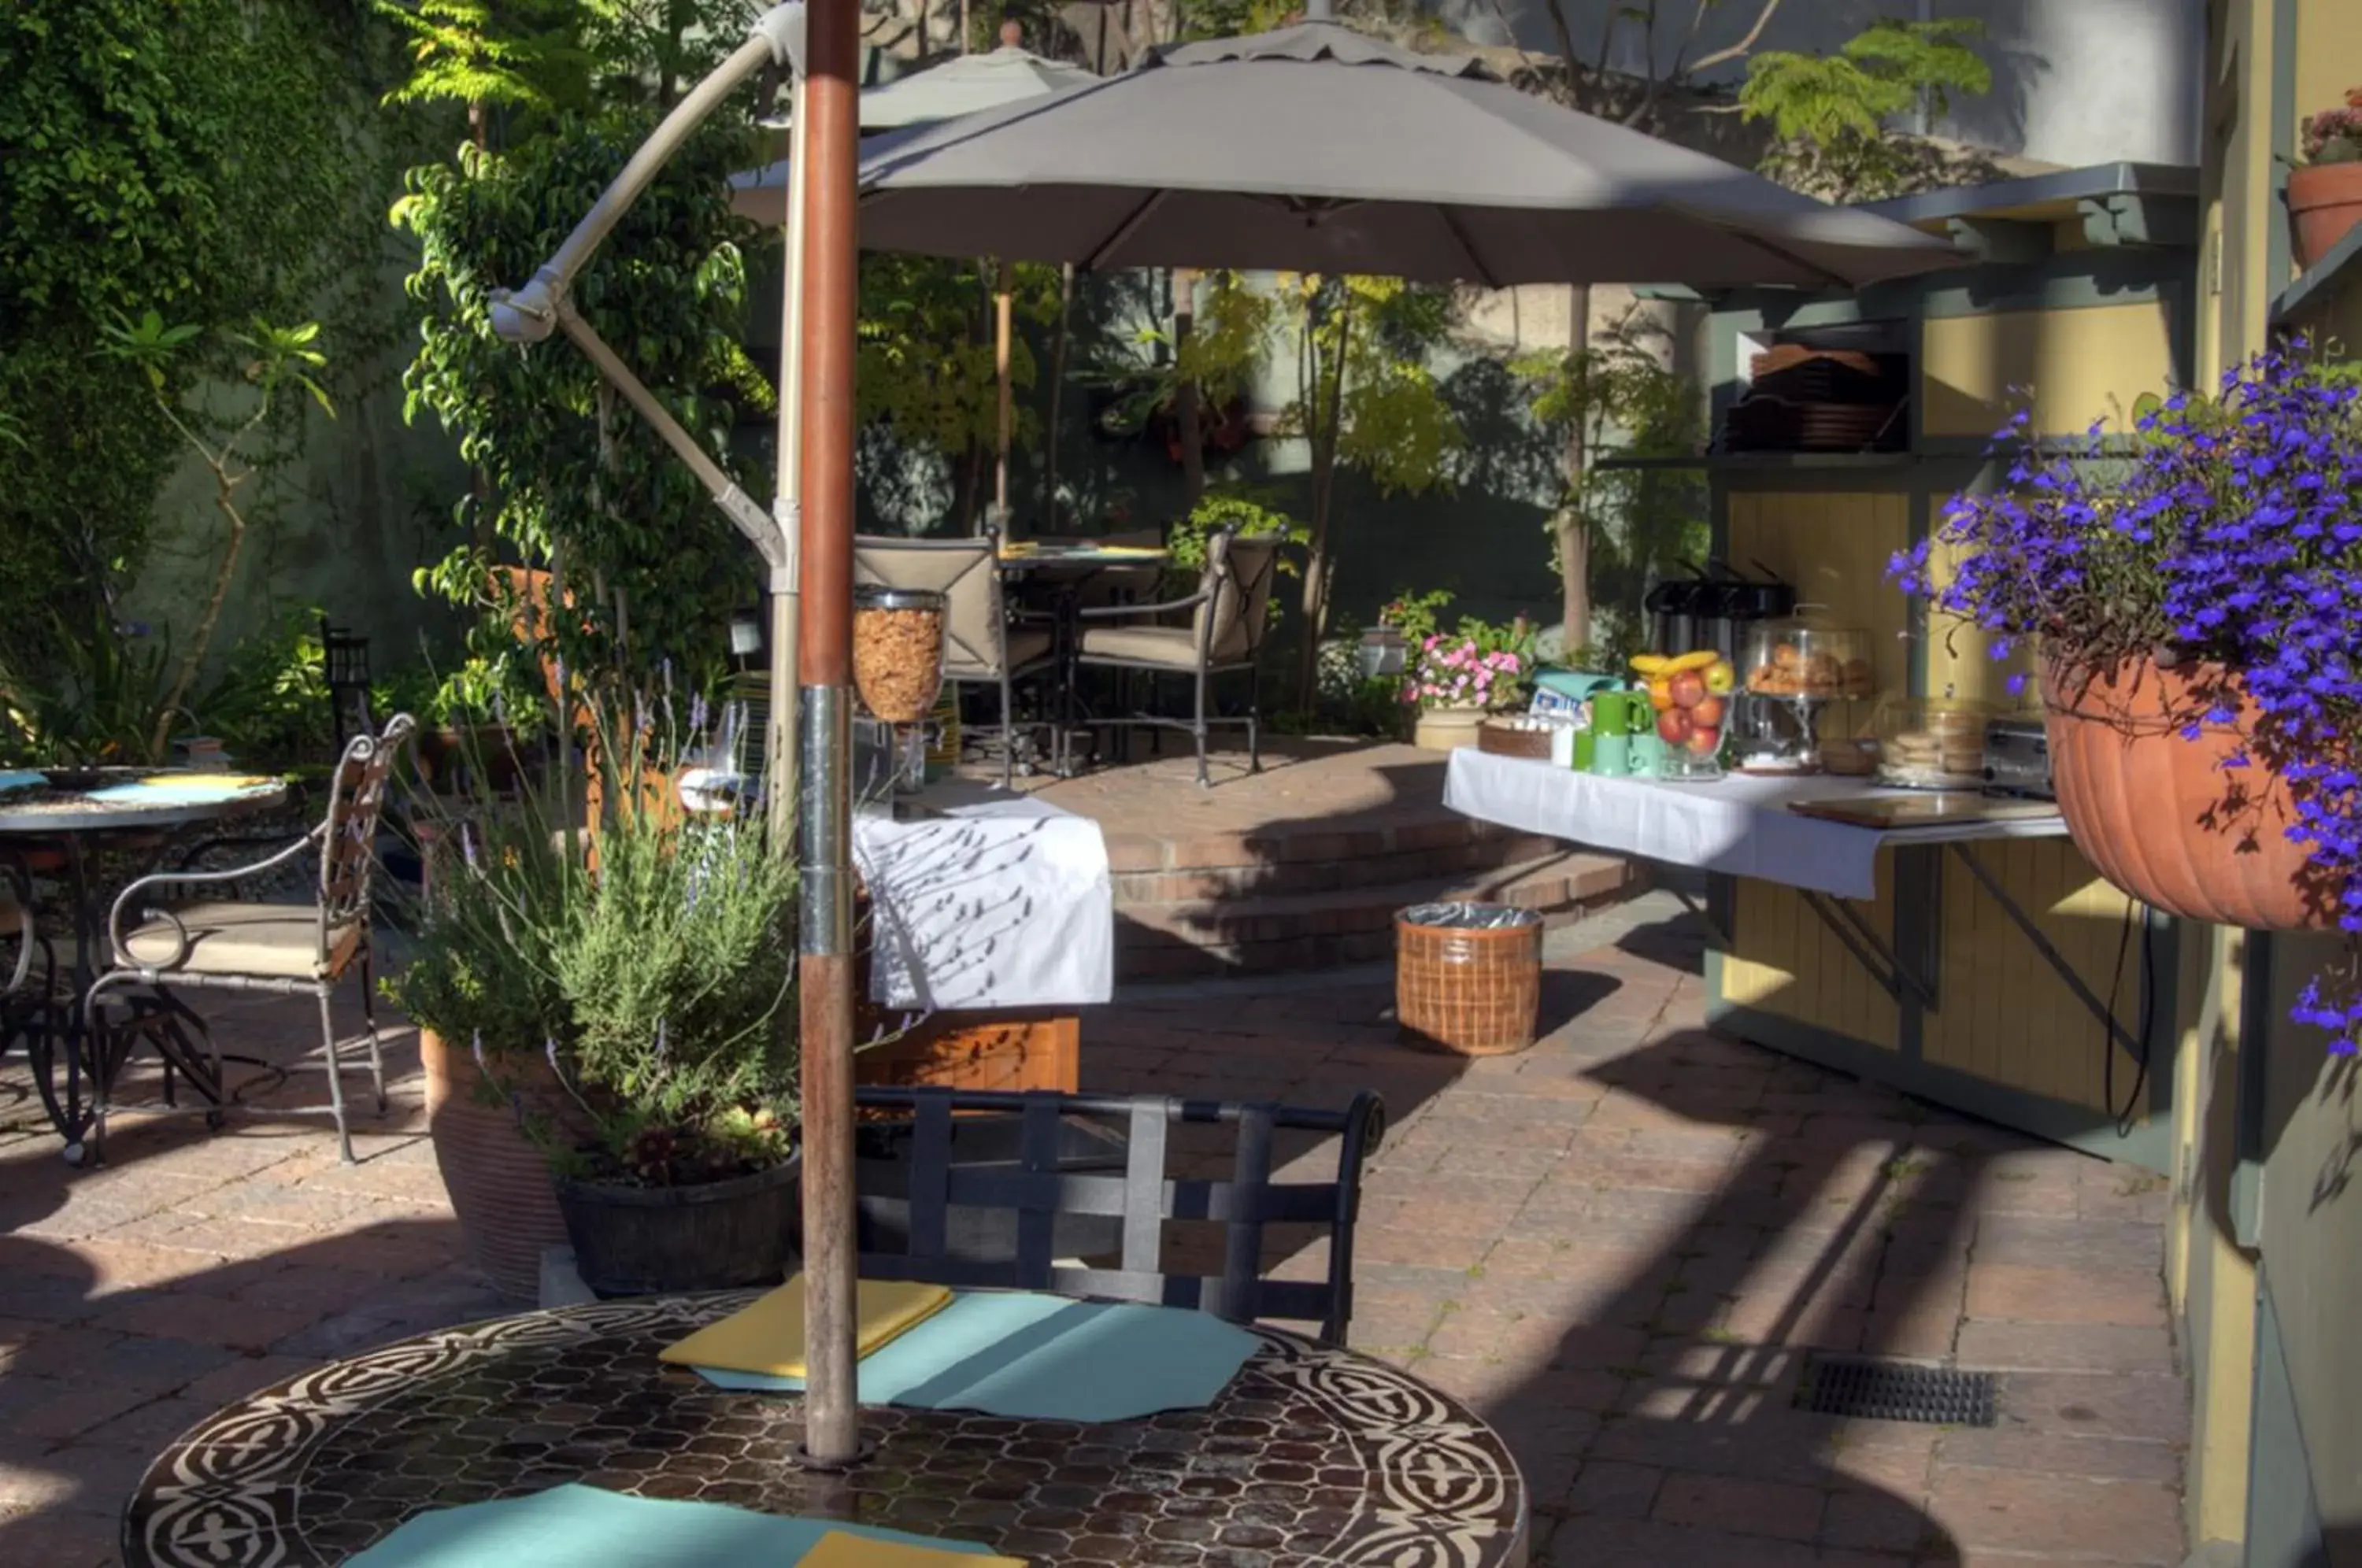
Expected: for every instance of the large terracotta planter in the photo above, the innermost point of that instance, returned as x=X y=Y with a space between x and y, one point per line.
x=1446 y=729
x=499 y=1183
x=2325 y=200
x=2160 y=815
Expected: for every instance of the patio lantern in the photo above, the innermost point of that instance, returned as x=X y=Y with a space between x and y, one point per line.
x=1384 y=652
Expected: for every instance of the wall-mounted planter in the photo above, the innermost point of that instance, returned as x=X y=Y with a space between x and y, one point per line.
x=2325 y=200
x=2160 y=815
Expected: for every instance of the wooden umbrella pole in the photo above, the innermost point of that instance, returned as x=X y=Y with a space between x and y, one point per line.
x=824 y=970
x=1002 y=331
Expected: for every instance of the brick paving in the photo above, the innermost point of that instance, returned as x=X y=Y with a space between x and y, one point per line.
x=1619 y=1246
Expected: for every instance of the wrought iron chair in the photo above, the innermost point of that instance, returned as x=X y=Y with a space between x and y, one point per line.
x=1229 y=614
x=162 y=938
x=980 y=644
x=31 y=977
x=913 y=1176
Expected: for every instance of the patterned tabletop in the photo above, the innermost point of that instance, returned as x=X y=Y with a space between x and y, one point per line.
x=119 y=799
x=1312 y=1455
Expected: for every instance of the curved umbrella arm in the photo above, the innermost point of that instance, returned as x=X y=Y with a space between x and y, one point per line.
x=545 y=304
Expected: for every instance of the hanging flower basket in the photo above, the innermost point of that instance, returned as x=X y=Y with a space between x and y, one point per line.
x=2188 y=823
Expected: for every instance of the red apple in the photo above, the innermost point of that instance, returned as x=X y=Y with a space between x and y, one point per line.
x=1673 y=726
x=1706 y=713
x=1704 y=740
x=1688 y=689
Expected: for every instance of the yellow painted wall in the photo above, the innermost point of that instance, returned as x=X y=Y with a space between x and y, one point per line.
x=1785 y=960
x=2328 y=55
x=1959 y=655
x=2076 y=365
x=2003 y=1015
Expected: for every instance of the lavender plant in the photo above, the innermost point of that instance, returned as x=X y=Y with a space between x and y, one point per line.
x=650 y=971
x=2228 y=535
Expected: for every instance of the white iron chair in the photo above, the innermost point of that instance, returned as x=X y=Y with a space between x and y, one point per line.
x=162 y=938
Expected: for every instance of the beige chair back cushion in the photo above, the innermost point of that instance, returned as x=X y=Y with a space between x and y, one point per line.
x=1237 y=586
x=966 y=572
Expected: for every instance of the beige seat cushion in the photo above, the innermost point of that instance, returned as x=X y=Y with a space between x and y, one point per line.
x=1025 y=648
x=274 y=941
x=1173 y=648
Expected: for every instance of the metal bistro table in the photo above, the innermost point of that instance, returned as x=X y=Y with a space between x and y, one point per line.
x=1060 y=574
x=76 y=813
x=1312 y=1455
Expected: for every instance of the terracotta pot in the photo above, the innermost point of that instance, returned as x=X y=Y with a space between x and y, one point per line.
x=2160 y=815
x=2325 y=200
x=1446 y=729
x=499 y=1183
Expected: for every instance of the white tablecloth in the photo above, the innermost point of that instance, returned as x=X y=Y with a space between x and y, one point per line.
x=1740 y=825
x=1001 y=901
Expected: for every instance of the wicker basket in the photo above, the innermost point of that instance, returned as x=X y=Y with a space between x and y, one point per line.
x=1503 y=740
x=1468 y=978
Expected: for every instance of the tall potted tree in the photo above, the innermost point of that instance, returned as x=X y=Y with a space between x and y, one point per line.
x=2193 y=597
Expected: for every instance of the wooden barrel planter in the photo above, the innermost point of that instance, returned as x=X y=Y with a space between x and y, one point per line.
x=1468 y=978
x=499 y=1181
x=646 y=1240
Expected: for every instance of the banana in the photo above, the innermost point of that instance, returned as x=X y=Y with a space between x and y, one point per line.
x=1649 y=663
x=1697 y=661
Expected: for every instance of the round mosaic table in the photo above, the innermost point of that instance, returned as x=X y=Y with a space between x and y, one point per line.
x=84 y=810
x=1312 y=1455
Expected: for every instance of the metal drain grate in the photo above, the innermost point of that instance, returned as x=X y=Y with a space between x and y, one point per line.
x=1891 y=1391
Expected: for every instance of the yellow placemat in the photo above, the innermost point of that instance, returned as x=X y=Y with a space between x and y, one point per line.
x=838 y=1550
x=767 y=1336
x=227 y=783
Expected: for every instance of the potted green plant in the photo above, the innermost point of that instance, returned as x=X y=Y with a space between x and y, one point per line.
x=1457 y=676
x=2324 y=192
x=614 y=996
x=2194 y=599
x=676 y=973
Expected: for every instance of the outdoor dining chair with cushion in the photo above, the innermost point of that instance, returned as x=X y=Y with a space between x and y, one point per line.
x=1229 y=614
x=936 y=1178
x=165 y=935
x=980 y=645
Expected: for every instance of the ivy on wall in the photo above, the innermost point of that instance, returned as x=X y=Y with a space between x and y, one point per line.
x=210 y=160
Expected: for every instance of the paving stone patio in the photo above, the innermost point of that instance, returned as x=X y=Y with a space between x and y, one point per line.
x=1619 y=1245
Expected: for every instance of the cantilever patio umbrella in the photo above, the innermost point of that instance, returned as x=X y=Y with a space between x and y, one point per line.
x=1308 y=150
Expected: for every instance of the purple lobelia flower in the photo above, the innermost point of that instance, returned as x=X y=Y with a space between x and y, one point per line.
x=2226 y=529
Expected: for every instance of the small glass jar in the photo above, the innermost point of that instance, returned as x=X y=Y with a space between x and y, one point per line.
x=898 y=651
x=1932 y=743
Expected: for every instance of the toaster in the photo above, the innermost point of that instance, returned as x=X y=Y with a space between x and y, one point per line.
x=2017 y=759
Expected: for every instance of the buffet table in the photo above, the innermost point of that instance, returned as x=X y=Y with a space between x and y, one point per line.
x=1740 y=825
x=2002 y=991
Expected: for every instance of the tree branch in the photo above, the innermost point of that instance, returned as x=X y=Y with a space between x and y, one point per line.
x=1743 y=47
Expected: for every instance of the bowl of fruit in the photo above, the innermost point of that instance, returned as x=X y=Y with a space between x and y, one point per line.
x=1691 y=693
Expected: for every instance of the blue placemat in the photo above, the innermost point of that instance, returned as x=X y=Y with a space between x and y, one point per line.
x=20 y=778
x=1031 y=1356
x=175 y=794
x=580 y=1527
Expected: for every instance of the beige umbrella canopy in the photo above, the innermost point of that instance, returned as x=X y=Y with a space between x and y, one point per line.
x=1316 y=149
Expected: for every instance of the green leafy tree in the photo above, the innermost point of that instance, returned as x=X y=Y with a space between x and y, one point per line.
x=926 y=378
x=1830 y=111
x=279 y=360
x=578 y=482
x=1368 y=399
x=527 y=58
x=1614 y=524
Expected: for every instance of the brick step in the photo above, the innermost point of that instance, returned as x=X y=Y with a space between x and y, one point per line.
x=1314 y=863
x=1267 y=933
